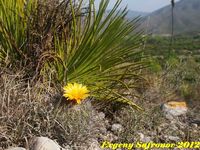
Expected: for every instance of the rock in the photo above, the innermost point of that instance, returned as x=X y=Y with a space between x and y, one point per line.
x=44 y=143
x=16 y=148
x=109 y=137
x=116 y=128
x=159 y=129
x=94 y=145
x=101 y=115
x=153 y=134
x=67 y=147
x=144 y=138
x=194 y=125
x=174 y=109
x=173 y=138
x=195 y=121
x=107 y=124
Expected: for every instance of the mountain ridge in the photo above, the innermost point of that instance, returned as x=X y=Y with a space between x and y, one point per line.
x=132 y=14
x=186 y=18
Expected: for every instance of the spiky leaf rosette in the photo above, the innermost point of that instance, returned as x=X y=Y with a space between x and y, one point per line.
x=100 y=52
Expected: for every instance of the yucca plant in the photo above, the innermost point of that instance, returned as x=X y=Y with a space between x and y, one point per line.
x=13 y=29
x=101 y=51
x=27 y=29
x=98 y=48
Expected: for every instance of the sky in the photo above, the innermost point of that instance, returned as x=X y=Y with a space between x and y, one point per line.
x=141 y=5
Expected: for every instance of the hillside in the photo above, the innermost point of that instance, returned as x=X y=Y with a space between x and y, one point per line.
x=186 y=18
x=132 y=14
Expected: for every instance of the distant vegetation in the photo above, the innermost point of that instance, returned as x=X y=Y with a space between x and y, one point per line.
x=178 y=62
x=183 y=45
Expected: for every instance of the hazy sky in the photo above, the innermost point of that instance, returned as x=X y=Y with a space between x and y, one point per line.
x=141 y=5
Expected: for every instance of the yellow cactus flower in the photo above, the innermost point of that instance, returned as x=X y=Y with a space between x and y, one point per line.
x=75 y=92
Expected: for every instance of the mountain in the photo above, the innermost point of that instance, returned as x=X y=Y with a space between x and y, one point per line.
x=186 y=18
x=132 y=14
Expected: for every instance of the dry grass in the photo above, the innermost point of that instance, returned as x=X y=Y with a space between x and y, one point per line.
x=38 y=110
x=153 y=125
x=160 y=88
x=28 y=110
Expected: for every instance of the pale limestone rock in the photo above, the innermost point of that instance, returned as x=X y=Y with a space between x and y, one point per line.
x=94 y=145
x=194 y=125
x=117 y=128
x=16 y=148
x=173 y=138
x=174 y=109
x=144 y=138
x=44 y=143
